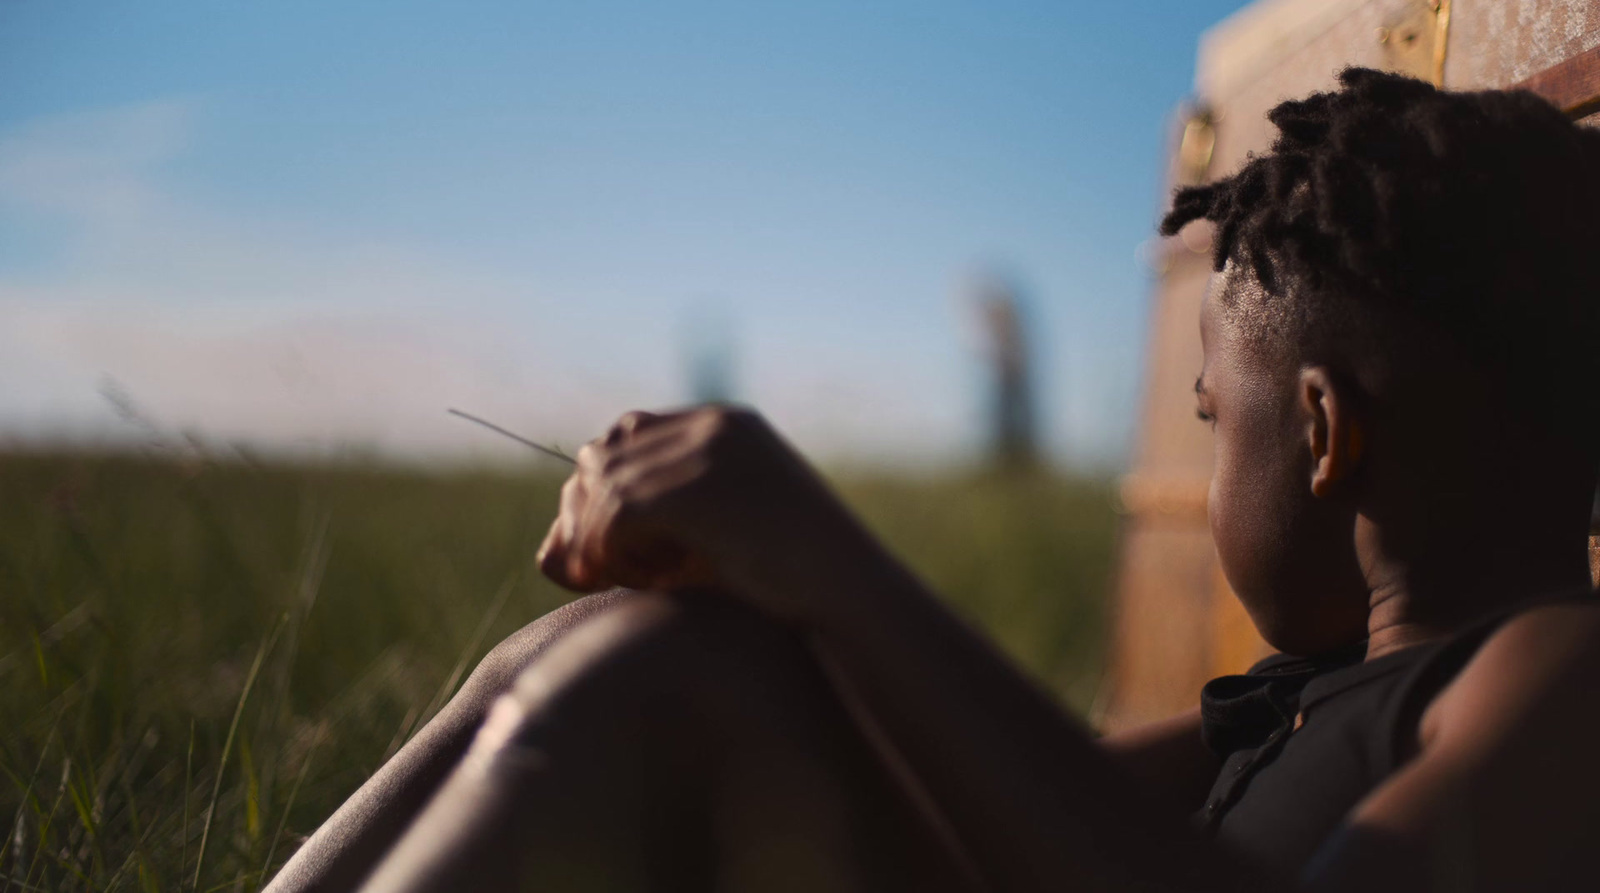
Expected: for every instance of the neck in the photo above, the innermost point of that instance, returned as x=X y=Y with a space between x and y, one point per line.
x=1413 y=602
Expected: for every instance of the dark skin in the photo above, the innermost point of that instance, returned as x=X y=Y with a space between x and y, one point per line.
x=1336 y=518
x=1390 y=511
x=357 y=836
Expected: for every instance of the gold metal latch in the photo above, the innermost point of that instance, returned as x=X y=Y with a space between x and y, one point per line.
x=1415 y=38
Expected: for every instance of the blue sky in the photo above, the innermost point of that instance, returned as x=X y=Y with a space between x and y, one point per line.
x=304 y=224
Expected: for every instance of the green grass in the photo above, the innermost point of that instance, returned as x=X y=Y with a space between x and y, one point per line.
x=199 y=661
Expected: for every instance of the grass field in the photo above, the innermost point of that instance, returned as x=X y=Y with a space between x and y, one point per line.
x=199 y=661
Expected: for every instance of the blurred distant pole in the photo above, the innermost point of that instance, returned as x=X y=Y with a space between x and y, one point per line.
x=709 y=354
x=1013 y=423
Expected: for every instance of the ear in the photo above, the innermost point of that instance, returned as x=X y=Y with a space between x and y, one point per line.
x=1334 y=431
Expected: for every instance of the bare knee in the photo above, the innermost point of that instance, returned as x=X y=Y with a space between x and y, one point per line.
x=498 y=669
x=653 y=646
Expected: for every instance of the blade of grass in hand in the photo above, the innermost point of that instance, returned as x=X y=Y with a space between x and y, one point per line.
x=552 y=452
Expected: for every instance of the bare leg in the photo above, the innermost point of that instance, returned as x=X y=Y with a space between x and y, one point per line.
x=346 y=847
x=664 y=745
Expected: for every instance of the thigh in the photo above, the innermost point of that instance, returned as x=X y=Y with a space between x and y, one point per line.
x=672 y=745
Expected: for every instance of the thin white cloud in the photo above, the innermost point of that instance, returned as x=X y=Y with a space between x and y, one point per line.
x=90 y=166
x=229 y=327
x=260 y=331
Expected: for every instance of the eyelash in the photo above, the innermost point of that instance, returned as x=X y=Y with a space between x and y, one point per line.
x=1204 y=416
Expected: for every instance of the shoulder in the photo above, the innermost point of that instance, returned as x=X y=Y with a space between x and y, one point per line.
x=1542 y=660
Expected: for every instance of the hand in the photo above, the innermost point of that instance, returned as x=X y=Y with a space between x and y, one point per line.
x=709 y=497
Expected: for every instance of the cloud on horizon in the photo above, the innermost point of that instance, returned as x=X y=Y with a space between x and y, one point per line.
x=269 y=332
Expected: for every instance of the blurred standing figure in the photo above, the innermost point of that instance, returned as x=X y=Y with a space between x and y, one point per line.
x=1013 y=431
x=710 y=356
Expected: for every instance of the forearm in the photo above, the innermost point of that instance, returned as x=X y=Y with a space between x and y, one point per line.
x=1037 y=803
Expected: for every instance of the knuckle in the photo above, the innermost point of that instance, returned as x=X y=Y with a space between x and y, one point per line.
x=625 y=426
x=613 y=465
x=588 y=454
x=728 y=429
x=716 y=421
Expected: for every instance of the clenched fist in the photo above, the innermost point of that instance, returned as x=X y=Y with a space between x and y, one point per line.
x=705 y=498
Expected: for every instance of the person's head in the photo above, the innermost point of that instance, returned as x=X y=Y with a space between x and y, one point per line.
x=1401 y=342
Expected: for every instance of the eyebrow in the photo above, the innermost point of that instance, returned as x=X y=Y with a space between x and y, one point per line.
x=1199 y=384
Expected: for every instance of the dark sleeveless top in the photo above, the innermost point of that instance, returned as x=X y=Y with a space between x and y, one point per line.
x=1304 y=739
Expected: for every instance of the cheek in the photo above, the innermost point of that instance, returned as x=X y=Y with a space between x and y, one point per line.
x=1245 y=502
x=1255 y=508
x=1285 y=553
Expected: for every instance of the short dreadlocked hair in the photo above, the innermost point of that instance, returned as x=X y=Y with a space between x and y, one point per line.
x=1473 y=216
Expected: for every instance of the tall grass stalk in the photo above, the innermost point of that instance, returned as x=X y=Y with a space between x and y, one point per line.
x=227 y=746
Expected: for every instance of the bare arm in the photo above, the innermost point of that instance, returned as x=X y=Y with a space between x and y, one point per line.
x=713 y=498
x=1037 y=801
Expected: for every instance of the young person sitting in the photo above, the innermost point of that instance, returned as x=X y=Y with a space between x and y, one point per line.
x=1401 y=348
